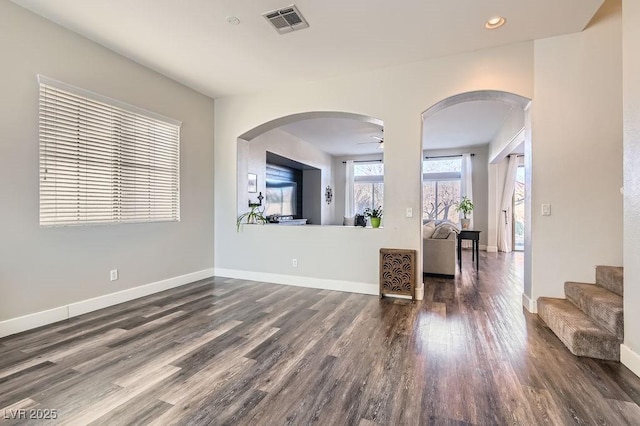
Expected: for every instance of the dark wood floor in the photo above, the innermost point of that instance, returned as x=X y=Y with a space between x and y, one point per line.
x=225 y=351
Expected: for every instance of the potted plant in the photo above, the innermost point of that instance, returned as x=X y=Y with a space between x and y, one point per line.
x=466 y=207
x=375 y=214
x=255 y=215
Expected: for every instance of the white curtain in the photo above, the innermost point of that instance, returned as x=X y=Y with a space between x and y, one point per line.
x=466 y=190
x=349 y=207
x=505 y=218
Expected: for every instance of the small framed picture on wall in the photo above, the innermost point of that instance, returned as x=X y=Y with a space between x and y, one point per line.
x=253 y=183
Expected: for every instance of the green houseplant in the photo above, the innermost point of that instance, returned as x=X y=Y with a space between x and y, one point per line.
x=375 y=214
x=466 y=207
x=255 y=215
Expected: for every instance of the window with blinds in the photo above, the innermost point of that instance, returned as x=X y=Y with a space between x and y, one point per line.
x=103 y=161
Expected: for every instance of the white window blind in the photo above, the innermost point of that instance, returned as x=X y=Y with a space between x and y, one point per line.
x=103 y=161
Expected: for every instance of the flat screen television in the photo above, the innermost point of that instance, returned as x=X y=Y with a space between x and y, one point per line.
x=280 y=198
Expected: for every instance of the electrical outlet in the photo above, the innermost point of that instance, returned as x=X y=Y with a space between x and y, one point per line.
x=294 y=263
x=409 y=212
x=113 y=275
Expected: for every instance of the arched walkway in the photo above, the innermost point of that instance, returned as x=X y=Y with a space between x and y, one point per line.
x=523 y=104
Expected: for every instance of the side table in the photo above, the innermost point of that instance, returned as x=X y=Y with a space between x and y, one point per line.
x=469 y=234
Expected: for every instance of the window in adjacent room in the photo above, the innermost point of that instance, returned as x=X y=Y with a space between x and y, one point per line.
x=441 y=182
x=368 y=186
x=518 y=210
x=103 y=161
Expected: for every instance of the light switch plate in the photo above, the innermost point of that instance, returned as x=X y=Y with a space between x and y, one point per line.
x=546 y=210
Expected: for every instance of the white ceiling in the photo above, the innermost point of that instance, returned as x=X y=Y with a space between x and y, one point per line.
x=191 y=42
x=464 y=124
x=338 y=136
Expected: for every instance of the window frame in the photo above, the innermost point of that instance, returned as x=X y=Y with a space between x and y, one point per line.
x=436 y=178
x=133 y=153
x=372 y=180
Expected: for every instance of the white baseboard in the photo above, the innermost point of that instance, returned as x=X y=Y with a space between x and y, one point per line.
x=492 y=249
x=320 y=283
x=529 y=305
x=38 y=319
x=630 y=359
x=111 y=299
x=35 y=320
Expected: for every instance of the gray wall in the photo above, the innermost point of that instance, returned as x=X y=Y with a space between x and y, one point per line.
x=252 y=159
x=42 y=268
x=400 y=95
x=576 y=153
x=480 y=198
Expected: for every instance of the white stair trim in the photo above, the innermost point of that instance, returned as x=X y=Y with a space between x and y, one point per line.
x=630 y=359
x=529 y=304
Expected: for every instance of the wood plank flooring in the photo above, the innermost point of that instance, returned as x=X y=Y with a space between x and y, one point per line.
x=224 y=351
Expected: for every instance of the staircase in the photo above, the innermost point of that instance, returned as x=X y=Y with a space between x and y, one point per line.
x=589 y=321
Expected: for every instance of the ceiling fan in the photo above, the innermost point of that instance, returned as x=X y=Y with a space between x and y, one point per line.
x=379 y=140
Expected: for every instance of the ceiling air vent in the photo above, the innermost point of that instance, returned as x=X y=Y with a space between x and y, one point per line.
x=286 y=20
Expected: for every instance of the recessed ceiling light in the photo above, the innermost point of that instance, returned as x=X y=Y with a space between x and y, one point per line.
x=495 y=22
x=233 y=20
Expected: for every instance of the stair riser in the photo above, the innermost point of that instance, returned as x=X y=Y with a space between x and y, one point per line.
x=580 y=343
x=610 y=278
x=611 y=347
x=611 y=321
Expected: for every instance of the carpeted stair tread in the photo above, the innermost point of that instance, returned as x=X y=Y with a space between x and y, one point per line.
x=611 y=278
x=577 y=331
x=600 y=304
